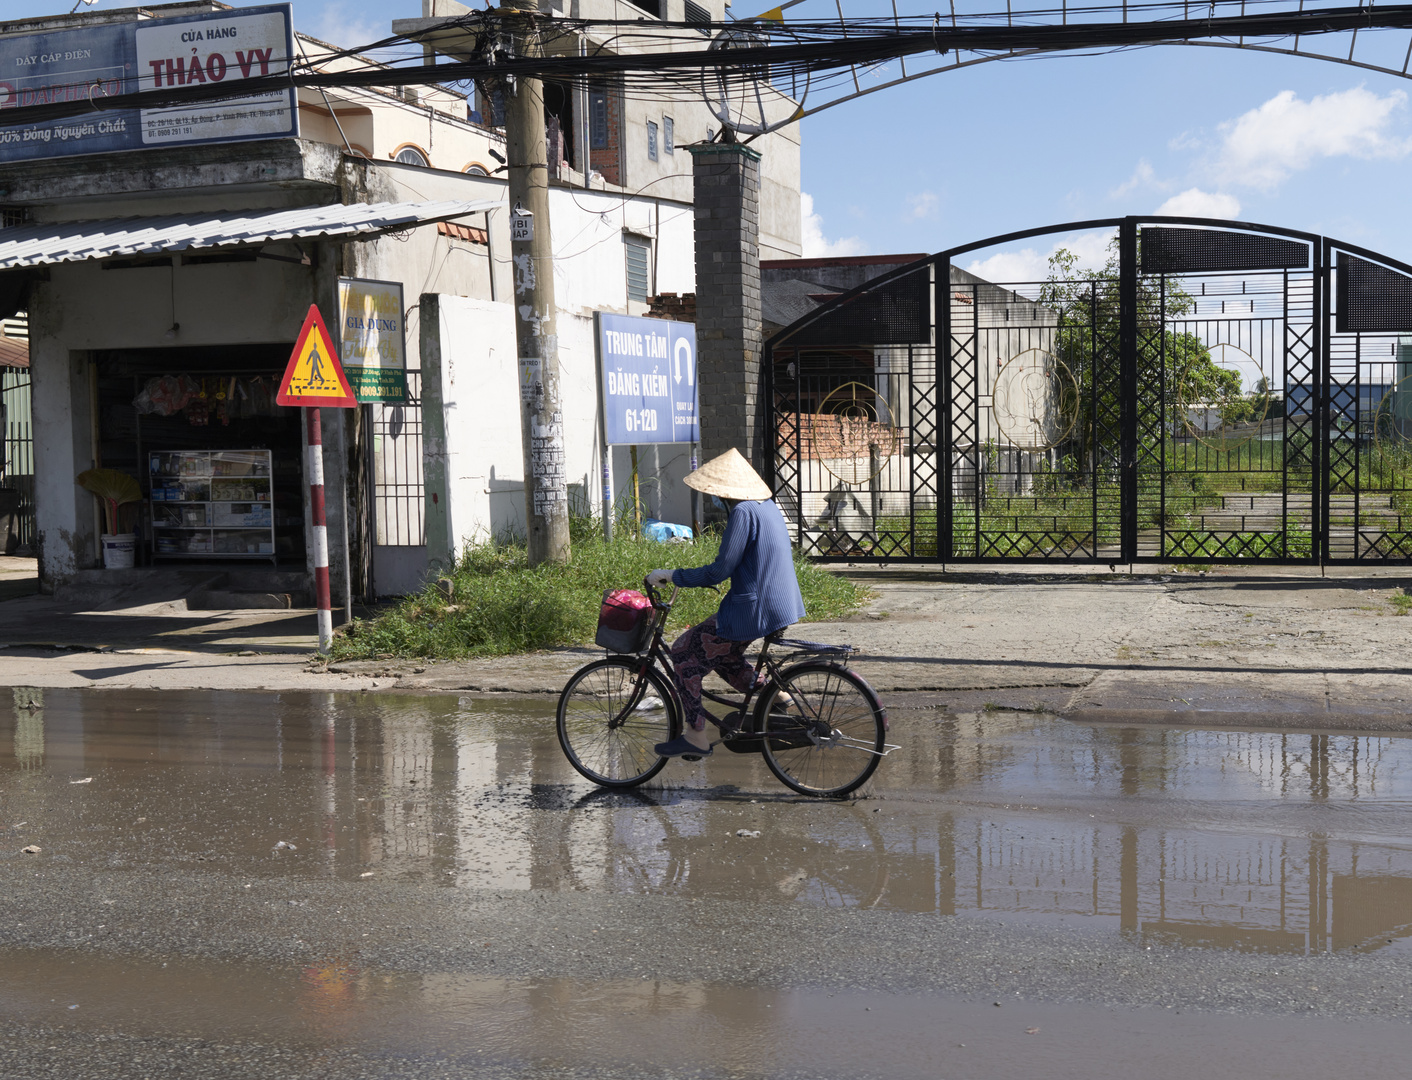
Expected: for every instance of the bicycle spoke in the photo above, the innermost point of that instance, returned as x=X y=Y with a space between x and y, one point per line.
x=833 y=716
x=603 y=727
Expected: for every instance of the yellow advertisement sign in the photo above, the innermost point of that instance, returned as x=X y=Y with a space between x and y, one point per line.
x=373 y=339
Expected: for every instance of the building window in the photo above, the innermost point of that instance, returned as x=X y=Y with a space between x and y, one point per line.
x=476 y=170
x=636 y=250
x=652 y=7
x=669 y=136
x=598 y=119
x=695 y=13
x=410 y=155
x=651 y=141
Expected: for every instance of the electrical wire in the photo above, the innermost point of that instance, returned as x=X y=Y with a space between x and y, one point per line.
x=765 y=50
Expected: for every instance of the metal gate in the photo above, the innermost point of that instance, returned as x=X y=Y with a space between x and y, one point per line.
x=1215 y=392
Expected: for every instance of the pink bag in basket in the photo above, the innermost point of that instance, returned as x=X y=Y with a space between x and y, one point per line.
x=624 y=621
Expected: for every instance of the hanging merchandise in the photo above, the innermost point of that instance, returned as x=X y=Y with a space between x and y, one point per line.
x=262 y=397
x=198 y=409
x=245 y=401
x=225 y=400
x=164 y=395
x=143 y=403
x=190 y=389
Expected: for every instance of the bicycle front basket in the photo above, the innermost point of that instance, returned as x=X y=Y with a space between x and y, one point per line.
x=624 y=621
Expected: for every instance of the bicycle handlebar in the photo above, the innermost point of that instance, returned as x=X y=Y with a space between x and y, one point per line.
x=657 y=601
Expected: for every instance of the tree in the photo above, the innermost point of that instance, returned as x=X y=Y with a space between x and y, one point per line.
x=1175 y=369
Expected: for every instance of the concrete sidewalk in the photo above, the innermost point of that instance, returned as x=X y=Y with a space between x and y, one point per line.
x=148 y=638
x=1235 y=647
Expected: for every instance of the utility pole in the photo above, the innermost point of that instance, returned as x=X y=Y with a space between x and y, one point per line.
x=541 y=417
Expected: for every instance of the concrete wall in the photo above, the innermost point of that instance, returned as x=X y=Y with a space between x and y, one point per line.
x=379 y=124
x=474 y=466
x=475 y=470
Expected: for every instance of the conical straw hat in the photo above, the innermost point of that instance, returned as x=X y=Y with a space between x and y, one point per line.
x=729 y=477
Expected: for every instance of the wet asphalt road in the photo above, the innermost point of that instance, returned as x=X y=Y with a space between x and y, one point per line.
x=457 y=902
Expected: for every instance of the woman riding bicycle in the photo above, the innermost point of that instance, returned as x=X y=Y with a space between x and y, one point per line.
x=764 y=595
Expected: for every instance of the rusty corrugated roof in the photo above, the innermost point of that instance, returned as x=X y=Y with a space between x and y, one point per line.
x=14 y=343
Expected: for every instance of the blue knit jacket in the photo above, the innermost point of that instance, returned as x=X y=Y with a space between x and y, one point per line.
x=755 y=554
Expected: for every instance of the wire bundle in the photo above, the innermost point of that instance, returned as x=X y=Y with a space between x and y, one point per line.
x=669 y=59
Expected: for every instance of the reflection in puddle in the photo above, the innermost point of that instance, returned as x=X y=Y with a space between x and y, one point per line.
x=649 y=1027
x=1242 y=839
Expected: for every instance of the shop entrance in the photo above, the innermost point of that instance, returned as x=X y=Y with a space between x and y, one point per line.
x=219 y=462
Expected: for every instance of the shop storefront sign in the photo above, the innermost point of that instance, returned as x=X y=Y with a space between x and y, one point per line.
x=373 y=339
x=98 y=62
x=649 y=383
x=314 y=375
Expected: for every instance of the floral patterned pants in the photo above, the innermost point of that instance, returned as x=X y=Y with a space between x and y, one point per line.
x=699 y=651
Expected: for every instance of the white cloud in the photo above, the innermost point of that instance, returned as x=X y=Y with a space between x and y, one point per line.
x=1193 y=202
x=923 y=205
x=1142 y=177
x=815 y=245
x=1262 y=147
x=336 y=26
x=1029 y=264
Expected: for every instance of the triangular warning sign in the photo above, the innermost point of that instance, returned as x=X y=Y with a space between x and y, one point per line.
x=314 y=375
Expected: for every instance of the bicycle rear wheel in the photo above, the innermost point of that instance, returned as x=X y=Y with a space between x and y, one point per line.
x=828 y=739
x=611 y=716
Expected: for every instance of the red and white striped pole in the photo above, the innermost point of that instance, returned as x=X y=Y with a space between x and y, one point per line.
x=315 y=472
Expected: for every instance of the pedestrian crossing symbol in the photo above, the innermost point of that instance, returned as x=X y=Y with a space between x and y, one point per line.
x=314 y=375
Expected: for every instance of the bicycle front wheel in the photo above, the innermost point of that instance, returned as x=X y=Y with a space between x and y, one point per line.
x=823 y=729
x=610 y=717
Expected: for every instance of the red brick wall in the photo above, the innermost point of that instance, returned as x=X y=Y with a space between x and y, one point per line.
x=608 y=160
x=671 y=306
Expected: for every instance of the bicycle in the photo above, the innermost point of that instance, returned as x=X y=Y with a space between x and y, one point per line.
x=819 y=725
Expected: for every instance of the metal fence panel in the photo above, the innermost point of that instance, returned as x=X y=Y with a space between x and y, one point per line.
x=1211 y=395
x=399 y=518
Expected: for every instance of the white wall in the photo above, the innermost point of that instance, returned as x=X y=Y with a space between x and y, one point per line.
x=590 y=267
x=483 y=464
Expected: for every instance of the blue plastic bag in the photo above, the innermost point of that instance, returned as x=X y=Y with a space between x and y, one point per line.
x=664 y=532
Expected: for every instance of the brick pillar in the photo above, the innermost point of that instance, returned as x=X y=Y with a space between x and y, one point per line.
x=726 y=191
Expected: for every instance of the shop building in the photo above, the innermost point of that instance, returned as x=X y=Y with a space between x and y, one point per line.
x=165 y=286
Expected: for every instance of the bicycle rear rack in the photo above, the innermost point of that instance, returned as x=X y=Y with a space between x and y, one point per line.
x=814 y=648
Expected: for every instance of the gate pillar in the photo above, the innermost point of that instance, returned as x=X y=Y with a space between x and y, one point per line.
x=726 y=192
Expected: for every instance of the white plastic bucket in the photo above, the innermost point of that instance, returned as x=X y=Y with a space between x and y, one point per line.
x=118 y=551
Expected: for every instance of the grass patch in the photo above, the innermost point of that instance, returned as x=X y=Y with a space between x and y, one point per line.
x=1401 y=602
x=498 y=606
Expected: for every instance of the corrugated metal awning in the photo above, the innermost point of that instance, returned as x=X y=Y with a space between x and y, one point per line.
x=75 y=241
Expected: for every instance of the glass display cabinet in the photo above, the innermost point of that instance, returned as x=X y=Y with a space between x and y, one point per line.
x=214 y=504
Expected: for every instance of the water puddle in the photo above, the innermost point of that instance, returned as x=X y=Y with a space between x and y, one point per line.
x=1251 y=840
x=652 y=1025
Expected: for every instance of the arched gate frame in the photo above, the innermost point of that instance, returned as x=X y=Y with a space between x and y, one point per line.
x=1219 y=392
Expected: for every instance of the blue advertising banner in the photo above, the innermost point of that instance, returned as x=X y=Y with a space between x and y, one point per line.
x=98 y=62
x=649 y=380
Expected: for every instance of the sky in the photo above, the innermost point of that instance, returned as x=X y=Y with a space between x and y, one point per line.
x=961 y=156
